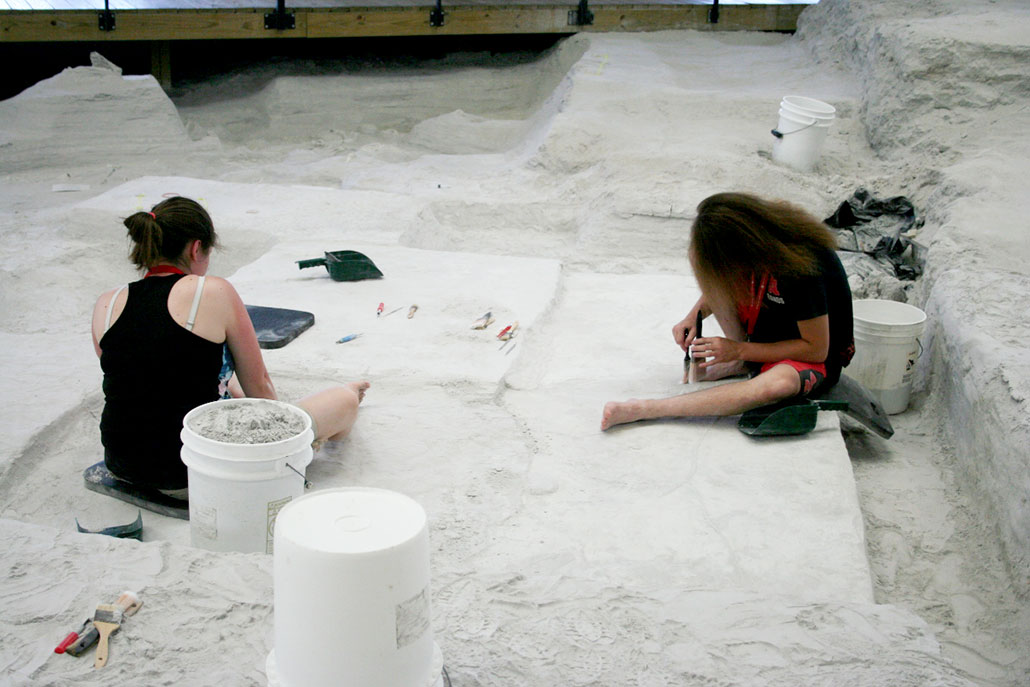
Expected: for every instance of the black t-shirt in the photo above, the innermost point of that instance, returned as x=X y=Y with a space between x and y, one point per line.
x=791 y=300
x=155 y=371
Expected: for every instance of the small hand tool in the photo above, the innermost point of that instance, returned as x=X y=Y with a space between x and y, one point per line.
x=349 y=337
x=484 y=321
x=690 y=362
x=107 y=619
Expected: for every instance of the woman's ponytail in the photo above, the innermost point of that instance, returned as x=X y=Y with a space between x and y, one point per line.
x=145 y=232
x=163 y=234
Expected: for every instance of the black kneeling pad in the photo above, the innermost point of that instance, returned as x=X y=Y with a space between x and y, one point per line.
x=276 y=327
x=98 y=479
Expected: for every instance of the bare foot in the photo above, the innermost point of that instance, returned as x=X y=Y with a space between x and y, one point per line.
x=616 y=413
x=359 y=388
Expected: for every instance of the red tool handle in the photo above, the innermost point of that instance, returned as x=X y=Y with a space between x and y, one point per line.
x=72 y=636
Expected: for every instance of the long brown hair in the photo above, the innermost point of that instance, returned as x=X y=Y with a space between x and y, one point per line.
x=738 y=235
x=165 y=231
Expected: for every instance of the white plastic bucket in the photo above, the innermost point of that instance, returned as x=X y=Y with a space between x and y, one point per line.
x=351 y=592
x=237 y=490
x=802 y=130
x=886 y=349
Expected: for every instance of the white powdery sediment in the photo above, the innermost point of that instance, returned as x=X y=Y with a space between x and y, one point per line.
x=247 y=423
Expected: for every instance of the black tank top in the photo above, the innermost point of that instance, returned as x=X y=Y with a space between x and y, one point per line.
x=155 y=371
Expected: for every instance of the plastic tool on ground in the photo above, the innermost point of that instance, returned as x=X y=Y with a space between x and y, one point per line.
x=98 y=479
x=797 y=416
x=349 y=337
x=128 y=602
x=276 y=327
x=345 y=265
x=484 y=321
x=73 y=637
x=786 y=418
x=134 y=530
x=862 y=407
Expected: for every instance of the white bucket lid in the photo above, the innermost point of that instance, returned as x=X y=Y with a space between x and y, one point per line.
x=351 y=520
x=888 y=314
x=819 y=116
x=816 y=107
x=804 y=120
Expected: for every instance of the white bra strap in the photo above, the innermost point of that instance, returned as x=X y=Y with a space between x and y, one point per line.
x=110 y=307
x=196 y=304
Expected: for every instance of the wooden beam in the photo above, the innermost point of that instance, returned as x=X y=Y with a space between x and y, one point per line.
x=203 y=24
x=161 y=63
x=414 y=21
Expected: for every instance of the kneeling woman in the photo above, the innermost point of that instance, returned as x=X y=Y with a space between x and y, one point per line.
x=171 y=342
x=769 y=273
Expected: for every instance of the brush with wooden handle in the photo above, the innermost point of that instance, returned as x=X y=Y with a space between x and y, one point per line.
x=128 y=602
x=107 y=619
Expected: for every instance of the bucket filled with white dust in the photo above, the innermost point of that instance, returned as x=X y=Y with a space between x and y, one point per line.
x=245 y=461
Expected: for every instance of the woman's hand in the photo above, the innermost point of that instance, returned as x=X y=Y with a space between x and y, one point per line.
x=683 y=331
x=715 y=350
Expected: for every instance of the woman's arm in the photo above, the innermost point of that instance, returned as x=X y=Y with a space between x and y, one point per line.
x=812 y=347
x=100 y=315
x=239 y=334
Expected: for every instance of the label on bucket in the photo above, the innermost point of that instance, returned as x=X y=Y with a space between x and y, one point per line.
x=273 y=512
x=412 y=619
x=204 y=521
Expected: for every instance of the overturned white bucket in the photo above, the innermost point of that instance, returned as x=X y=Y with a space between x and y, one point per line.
x=802 y=130
x=351 y=590
x=886 y=350
x=236 y=488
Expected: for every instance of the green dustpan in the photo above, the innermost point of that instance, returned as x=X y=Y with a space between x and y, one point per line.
x=792 y=417
x=345 y=265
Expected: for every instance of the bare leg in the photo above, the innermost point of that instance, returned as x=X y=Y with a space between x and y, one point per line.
x=335 y=409
x=781 y=382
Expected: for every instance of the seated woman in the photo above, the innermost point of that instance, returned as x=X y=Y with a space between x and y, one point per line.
x=769 y=273
x=170 y=342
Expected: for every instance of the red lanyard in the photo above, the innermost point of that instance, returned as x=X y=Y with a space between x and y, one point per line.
x=750 y=312
x=162 y=269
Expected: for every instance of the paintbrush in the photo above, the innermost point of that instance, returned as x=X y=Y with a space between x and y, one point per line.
x=128 y=602
x=690 y=362
x=484 y=321
x=107 y=619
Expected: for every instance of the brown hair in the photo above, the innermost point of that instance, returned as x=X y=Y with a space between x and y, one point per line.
x=737 y=235
x=165 y=231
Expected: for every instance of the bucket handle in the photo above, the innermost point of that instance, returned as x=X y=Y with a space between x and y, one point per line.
x=780 y=134
x=307 y=484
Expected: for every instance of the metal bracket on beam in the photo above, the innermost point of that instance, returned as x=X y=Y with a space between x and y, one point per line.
x=713 y=13
x=436 y=14
x=280 y=19
x=581 y=16
x=105 y=19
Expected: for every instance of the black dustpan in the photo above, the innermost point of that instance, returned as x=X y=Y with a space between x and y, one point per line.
x=786 y=418
x=345 y=265
x=862 y=407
